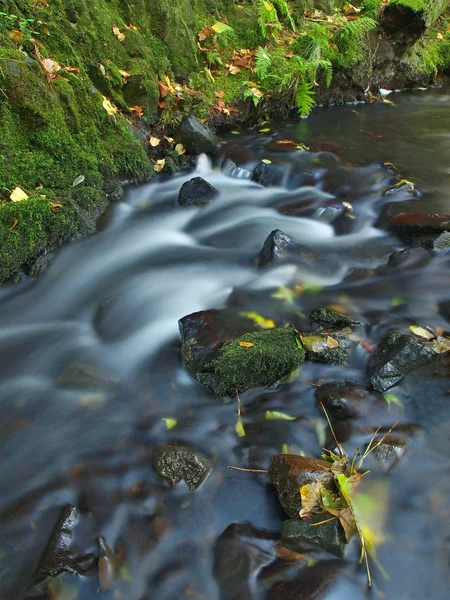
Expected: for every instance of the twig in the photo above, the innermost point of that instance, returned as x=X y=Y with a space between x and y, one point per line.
x=247 y=470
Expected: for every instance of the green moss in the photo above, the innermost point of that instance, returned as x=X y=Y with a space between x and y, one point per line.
x=273 y=355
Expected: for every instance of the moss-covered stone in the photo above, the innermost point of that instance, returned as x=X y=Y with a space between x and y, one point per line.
x=256 y=359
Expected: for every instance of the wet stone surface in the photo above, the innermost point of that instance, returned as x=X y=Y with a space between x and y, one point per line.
x=176 y=464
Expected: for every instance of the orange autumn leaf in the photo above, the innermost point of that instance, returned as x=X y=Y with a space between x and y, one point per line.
x=246 y=344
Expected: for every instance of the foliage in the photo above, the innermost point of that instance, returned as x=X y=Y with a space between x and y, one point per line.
x=269 y=15
x=304 y=98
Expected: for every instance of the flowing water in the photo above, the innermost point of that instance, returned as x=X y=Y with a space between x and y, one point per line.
x=90 y=366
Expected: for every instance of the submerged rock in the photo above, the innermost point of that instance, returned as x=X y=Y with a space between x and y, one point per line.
x=437 y=243
x=333 y=348
x=276 y=246
x=175 y=463
x=327 y=317
x=196 y=192
x=87 y=377
x=269 y=174
x=58 y=556
x=312 y=583
x=396 y=356
x=388 y=454
x=196 y=137
x=418 y=223
x=344 y=399
x=403 y=186
x=253 y=360
x=304 y=536
x=241 y=553
x=289 y=472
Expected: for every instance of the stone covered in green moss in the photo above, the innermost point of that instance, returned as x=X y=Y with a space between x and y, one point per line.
x=256 y=359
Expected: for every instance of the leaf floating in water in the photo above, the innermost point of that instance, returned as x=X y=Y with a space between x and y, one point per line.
x=421 y=332
x=78 y=180
x=259 y=320
x=239 y=428
x=274 y=415
x=18 y=195
x=393 y=399
x=398 y=301
x=266 y=161
x=311 y=288
x=265 y=130
x=246 y=344
x=285 y=293
x=170 y=422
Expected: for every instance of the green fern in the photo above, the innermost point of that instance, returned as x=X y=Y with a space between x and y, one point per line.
x=268 y=22
x=357 y=28
x=263 y=62
x=304 y=98
x=283 y=9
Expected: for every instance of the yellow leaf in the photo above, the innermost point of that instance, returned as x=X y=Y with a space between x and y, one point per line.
x=154 y=141
x=119 y=35
x=180 y=149
x=109 y=106
x=246 y=344
x=170 y=423
x=56 y=205
x=332 y=343
x=421 y=332
x=240 y=428
x=259 y=320
x=159 y=165
x=16 y=36
x=18 y=195
x=124 y=75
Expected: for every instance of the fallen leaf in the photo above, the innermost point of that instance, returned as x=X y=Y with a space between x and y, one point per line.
x=119 y=35
x=14 y=224
x=78 y=180
x=137 y=110
x=124 y=75
x=266 y=161
x=274 y=415
x=154 y=141
x=393 y=399
x=240 y=430
x=159 y=165
x=265 y=130
x=246 y=344
x=180 y=149
x=441 y=345
x=233 y=69
x=16 y=36
x=205 y=33
x=17 y=195
x=421 y=332
x=170 y=423
x=311 y=497
x=332 y=343
x=259 y=320
x=56 y=205
x=109 y=106
x=130 y=26
x=289 y=555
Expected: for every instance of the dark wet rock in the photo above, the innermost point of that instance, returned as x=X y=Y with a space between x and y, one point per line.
x=329 y=317
x=418 y=223
x=333 y=348
x=312 y=583
x=396 y=356
x=240 y=554
x=269 y=174
x=196 y=137
x=304 y=536
x=175 y=463
x=289 y=472
x=388 y=454
x=344 y=399
x=401 y=187
x=196 y=192
x=410 y=258
x=437 y=243
x=58 y=556
x=203 y=332
x=256 y=359
x=276 y=246
x=107 y=565
x=86 y=377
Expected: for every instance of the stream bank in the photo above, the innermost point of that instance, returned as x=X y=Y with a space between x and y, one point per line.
x=84 y=84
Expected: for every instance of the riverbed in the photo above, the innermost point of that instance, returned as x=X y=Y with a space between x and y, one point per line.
x=91 y=377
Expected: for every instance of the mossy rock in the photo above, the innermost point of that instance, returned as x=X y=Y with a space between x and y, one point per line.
x=256 y=359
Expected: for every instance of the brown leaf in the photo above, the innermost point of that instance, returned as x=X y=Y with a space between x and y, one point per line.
x=14 y=225
x=204 y=33
x=311 y=497
x=124 y=75
x=346 y=520
x=130 y=26
x=16 y=36
x=119 y=35
x=332 y=343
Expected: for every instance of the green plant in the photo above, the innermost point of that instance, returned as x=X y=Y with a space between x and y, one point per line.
x=272 y=16
x=263 y=62
x=304 y=98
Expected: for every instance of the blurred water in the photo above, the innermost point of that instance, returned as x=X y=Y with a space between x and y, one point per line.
x=112 y=302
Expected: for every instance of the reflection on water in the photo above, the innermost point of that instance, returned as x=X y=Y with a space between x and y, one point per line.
x=84 y=435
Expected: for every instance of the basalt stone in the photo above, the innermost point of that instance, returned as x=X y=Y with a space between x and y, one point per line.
x=196 y=137
x=276 y=246
x=437 y=243
x=312 y=583
x=332 y=348
x=87 y=377
x=289 y=472
x=396 y=356
x=418 y=223
x=175 y=463
x=304 y=536
x=241 y=553
x=402 y=187
x=344 y=399
x=196 y=192
x=410 y=258
x=389 y=453
x=58 y=556
x=269 y=174
x=329 y=317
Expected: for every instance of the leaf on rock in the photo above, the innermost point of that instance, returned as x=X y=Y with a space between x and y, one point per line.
x=421 y=332
x=311 y=498
x=17 y=195
x=159 y=165
x=259 y=320
x=274 y=415
x=180 y=149
x=154 y=141
x=109 y=106
x=78 y=180
x=441 y=345
x=332 y=343
x=345 y=518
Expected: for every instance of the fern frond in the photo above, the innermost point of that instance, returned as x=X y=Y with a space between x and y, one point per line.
x=304 y=98
x=268 y=19
x=284 y=11
x=357 y=28
x=263 y=62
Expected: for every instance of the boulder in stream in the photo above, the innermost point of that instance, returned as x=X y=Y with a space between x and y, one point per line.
x=175 y=463
x=345 y=399
x=196 y=192
x=333 y=348
x=276 y=246
x=328 y=317
x=289 y=472
x=304 y=536
x=396 y=356
x=196 y=137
